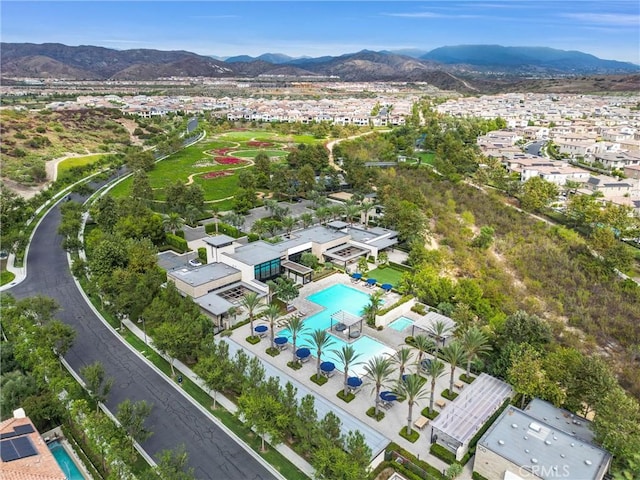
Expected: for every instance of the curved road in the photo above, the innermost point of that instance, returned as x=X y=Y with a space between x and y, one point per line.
x=174 y=420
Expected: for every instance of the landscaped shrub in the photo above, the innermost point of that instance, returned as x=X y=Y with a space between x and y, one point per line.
x=177 y=243
x=319 y=380
x=350 y=396
x=442 y=453
x=430 y=469
x=477 y=476
x=419 y=308
x=294 y=365
x=202 y=254
x=403 y=299
x=412 y=438
x=372 y=413
x=273 y=352
x=449 y=395
x=466 y=379
x=430 y=414
x=253 y=339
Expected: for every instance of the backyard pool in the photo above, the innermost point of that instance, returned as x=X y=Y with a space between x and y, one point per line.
x=335 y=298
x=401 y=323
x=68 y=466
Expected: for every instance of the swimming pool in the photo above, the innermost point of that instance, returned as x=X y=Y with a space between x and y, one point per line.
x=68 y=466
x=401 y=323
x=335 y=298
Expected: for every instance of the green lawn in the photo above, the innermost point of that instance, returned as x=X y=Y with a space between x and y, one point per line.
x=6 y=277
x=69 y=163
x=385 y=275
x=427 y=158
x=308 y=139
x=249 y=135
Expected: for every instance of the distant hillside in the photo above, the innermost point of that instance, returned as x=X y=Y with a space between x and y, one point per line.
x=527 y=60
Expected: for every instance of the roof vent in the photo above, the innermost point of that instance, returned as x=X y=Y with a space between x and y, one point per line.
x=526 y=437
x=573 y=444
x=526 y=450
x=562 y=455
x=587 y=462
x=547 y=442
x=500 y=442
x=534 y=460
x=535 y=426
x=514 y=425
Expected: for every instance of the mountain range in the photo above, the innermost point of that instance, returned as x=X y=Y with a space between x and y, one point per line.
x=450 y=67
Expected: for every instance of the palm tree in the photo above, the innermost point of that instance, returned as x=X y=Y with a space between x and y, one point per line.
x=306 y=219
x=366 y=207
x=350 y=211
x=173 y=222
x=439 y=329
x=434 y=369
x=475 y=343
x=215 y=212
x=323 y=214
x=454 y=354
x=296 y=327
x=320 y=340
x=288 y=223
x=402 y=358
x=347 y=356
x=233 y=312
x=272 y=312
x=371 y=310
x=250 y=301
x=412 y=388
x=378 y=370
x=424 y=345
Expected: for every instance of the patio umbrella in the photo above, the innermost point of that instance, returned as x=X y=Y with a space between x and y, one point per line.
x=357 y=276
x=303 y=352
x=261 y=329
x=388 y=396
x=386 y=286
x=327 y=367
x=280 y=340
x=372 y=281
x=354 y=382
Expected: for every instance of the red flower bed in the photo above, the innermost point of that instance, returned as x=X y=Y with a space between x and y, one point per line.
x=228 y=160
x=254 y=143
x=220 y=173
x=221 y=151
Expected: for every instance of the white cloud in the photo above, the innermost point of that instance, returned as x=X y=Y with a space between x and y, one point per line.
x=613 y=19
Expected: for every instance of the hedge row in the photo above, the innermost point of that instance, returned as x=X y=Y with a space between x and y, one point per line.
x=223 y=228
x=177 y=243
x=403 y=299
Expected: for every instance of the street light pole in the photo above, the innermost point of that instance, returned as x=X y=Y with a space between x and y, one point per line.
x=144 y=329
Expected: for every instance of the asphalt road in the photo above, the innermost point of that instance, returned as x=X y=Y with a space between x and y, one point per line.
x=534 y=147
x=174 y=420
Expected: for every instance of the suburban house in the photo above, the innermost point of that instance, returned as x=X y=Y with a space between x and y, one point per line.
x=542 y=442
x=236 y=267
x=558 y=173
x=609 y=186
x=24 y=454
x=617 y=159
x=459 y=421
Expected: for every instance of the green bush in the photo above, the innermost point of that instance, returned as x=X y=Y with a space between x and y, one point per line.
x=477 y=476
x=225 y=228
x=413 y=438
x=350 y=396
x=466 y=379
x=274 y=352
x=430 y=414
x=430 y=469
x=253 y=339
x=442 y=453
x=178 y=244
x=449 y=395
x=419 y=308
x=372 y=413
x=319 y=380
x=403 y=299
x=179 y=233
x=202 y=255
x=294 y=365
x=399 y=266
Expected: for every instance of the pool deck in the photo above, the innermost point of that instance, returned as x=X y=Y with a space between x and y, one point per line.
x=396 y=416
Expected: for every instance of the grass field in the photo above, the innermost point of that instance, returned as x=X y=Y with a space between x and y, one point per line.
x=69 y=163
x=248 y=135
x=6 y=277
x=385 y=275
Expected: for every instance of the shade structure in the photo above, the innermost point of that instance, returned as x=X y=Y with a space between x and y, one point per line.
x=357 y=276
x=280 y=340
x=303 y=352
x=261 y=328
x=372 y=281
x=386 y=286
x=354 y=382
x=327 y=367
x=388 y=396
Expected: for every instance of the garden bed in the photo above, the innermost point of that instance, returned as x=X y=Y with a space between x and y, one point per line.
x=228 y=160
x=218 y=174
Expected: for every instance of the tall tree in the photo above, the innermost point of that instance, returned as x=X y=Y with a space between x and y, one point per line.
x=439 y=330
x=272 y=312
x=412 y=389
x=320 y=341
x=434 y=370
x=250 y=302
x=454 y=354
x=348 y=356
x=378 y=370
x=475 y=343
x=402 y=358
x=97 y=382
x=424 y=345
x=296 y=327
x=132 y=417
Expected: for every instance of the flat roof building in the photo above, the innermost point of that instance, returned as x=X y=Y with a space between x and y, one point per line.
x=521 y=446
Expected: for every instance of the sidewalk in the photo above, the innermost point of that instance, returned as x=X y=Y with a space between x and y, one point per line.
x=19 y=272
x=228 y=405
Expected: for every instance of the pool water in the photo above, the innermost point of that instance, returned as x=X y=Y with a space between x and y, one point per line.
x=401 y=323
x=335 y=298
x=67 y=465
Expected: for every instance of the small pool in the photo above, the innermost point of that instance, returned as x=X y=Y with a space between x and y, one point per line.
x=68 y=466
x=401 y=324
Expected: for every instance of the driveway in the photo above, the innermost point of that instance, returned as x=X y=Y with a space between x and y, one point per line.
x=174 y=420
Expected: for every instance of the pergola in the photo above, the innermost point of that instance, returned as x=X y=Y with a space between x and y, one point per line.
x=347 y=319
x=297 y=270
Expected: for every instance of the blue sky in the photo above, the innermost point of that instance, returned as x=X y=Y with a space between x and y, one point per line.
x=607 y=29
